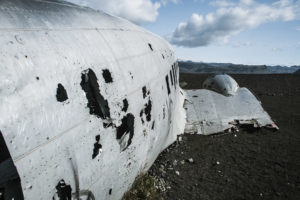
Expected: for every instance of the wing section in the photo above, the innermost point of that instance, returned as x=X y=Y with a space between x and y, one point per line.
x=210 y=112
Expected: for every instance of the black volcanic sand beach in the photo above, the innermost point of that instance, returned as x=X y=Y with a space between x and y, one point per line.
x=243 y=165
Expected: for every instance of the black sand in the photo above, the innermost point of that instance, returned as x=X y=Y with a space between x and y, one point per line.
x=259 y=165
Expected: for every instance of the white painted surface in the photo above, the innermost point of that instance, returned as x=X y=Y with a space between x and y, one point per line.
x=209 y=112
x=221 y=83
x=50 y=140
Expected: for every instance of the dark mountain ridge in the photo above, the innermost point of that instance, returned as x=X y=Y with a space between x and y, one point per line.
x=201 y=67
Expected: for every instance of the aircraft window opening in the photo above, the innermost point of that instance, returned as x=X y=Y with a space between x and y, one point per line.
x=176 y=72
x=150 y=46
x=168 y=86
x=174 y=75
x=171 y=75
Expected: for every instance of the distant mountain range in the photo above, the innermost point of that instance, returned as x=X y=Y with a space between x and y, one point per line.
x=201 y=67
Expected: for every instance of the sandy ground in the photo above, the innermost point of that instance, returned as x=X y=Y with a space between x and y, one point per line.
x=243 y=165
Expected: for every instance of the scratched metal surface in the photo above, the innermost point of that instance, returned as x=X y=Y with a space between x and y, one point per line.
x=209 y=112
x=45 y=43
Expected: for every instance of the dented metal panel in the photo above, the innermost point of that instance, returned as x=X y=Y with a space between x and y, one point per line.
x=72 y=92
x=209 y=112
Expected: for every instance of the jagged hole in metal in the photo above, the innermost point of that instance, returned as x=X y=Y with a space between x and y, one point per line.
x=96 y=103
x=127 y=127
x=61 y=93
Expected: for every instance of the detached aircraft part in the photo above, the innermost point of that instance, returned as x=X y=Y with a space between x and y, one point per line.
x=85 y=106
x=209 y=112
x=221 y=83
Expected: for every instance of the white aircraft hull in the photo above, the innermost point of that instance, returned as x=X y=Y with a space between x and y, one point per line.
x=55 y=122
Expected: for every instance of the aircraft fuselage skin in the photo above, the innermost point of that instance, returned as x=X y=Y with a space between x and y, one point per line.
x=88 y=100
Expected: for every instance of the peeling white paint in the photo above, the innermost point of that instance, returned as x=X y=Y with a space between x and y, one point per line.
x=45 y=43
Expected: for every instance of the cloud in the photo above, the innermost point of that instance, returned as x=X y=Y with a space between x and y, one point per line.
x=276 y=49
x=298 y=28
x=165 y=2
x=241 y=44
x=217 y=27
x=137 y=11
x=246 y=2
x=221 y=3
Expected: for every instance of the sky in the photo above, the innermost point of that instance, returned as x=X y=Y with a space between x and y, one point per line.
x=228 y=31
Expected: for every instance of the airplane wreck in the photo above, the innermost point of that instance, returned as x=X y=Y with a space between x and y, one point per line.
x=89 y=100
x=223 y=106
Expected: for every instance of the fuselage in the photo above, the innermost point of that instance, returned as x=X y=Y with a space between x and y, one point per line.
x=87 y=100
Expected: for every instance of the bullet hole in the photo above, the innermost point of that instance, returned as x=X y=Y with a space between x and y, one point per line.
x=96 y=103
x=110 y=191
x=64 y=191
x=167 y=81
x=150 y=46
x=171 y=75
x=125 y=105
x=61 y=93
x=126 y=127
x=37 y=78
x=153 y=125
x=131 y=75
x=163 y=56
x=97 y=147
x=107 y=76
x=26 y=56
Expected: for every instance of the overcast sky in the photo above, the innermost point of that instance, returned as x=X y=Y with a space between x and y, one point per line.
x=236 y=31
